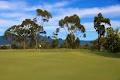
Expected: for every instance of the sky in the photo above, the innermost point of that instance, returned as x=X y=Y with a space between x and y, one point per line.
x=13 y=12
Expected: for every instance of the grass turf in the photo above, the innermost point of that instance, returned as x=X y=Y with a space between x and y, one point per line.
x=57 y=64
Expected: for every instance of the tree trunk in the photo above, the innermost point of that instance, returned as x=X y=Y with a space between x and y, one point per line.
x=36 y=43
x=98 y=42
x=24 y=44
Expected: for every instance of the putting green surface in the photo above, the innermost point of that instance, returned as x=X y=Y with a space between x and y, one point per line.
x=57 y=64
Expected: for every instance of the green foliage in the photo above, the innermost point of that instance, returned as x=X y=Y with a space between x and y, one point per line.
x=21 y=33
x=86 y=46
x=5 y=47
x=95 y=44
x=26 y=33
x=77 y=43
x=99 y=25
x=71 y=42
x=55 y=43
x=43 y=43
x=112 y=40
x=72 y=23
x=44 y=14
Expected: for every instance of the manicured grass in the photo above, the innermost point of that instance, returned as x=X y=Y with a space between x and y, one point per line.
x=57 y=64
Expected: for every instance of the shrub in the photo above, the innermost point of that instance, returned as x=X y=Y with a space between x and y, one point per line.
x=5 y=47
x=95 y=45
x=112 y=40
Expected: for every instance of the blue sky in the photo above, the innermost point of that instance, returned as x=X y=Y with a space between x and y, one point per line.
x=14 y=11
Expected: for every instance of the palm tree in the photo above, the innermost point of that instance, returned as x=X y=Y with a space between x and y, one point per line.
x=99 y=25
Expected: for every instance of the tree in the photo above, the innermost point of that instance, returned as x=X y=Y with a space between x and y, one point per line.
x=70 y=41
x=23 y=32
x=14 y=34
x=99 y=25
x=45 y=16
x=77 y=43
x=71 y=25
x=111 y=42
x=55 y=43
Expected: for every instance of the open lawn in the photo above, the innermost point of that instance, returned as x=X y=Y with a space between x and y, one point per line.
x=57 y=64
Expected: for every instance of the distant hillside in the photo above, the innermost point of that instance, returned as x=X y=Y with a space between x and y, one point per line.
x=49 y=39
x=82 y=42
x=3 y=41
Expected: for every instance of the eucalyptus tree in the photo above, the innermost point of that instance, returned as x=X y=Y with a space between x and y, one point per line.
x=31 y=29
x=99 y=25
x=44 y=16
x=14 y=33
x=22 y=32
x=71 y=24
x=55 y=40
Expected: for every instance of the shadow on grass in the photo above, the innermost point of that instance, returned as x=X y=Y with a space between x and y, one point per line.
x=106 y=53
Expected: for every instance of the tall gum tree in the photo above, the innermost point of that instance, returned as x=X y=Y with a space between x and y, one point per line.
x=99 y=25
x=44 y=16
x=22 y=32
x=71 y=24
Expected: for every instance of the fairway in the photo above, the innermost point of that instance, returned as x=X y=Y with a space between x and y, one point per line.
x=57 y=64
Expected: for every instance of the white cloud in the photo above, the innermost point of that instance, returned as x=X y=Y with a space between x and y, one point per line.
x=7 y=23
x=6 y=5
x=84 y=12
x=90 y=26
x=115 y=24
x=22 y=10
x=17 y=15
x=2 y=21
x=49 y=7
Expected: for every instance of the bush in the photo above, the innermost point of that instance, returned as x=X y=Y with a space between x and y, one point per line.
x=86 y=46
x=112 y=40
x=5 y=47
x=71 y=42
x=112 y=44
x=95 y=45
x=14 y=46
x=55 y=43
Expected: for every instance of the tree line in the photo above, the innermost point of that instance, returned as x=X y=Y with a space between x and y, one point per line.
x=28 y=33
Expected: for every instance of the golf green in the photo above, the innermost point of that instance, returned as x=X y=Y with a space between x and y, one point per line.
x=57 y=64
